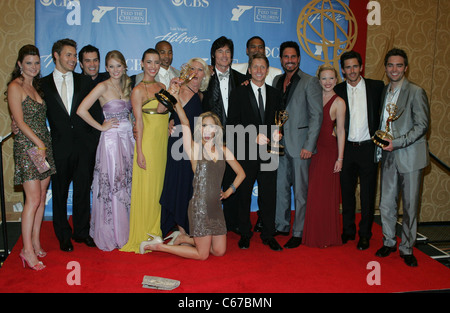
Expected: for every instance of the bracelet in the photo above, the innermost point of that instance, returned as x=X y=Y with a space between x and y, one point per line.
x=45 y=148
x=233 y=188
x=340 y=159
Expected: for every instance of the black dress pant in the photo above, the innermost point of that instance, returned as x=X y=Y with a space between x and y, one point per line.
x=77 y=168
x=230 y=209
x=266 y=181
x=358 y=162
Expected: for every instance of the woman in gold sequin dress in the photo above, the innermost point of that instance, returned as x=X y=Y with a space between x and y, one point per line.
x=208 y=158
x=150 y=155
x=28 y=110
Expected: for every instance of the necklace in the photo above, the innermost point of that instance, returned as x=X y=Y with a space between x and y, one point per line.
x=190 y=89
x=147 y=82
x=117 y=90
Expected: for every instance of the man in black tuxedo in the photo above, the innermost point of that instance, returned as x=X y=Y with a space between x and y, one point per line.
x=215 y=99
x=74 y=144
x=252 y=111
x=362 y=97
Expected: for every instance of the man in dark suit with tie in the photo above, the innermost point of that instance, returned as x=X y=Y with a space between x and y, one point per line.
x=215 y=99
x=252 y=112
x=74 y=144
x=404 y=158
x=362 y=98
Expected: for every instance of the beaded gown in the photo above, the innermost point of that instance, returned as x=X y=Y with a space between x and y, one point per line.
x=34 y=115
x=145 y=210
x=205 y=208
x=111 y=186
x=322 y=219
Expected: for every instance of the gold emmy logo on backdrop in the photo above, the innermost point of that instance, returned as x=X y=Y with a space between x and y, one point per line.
x=319 y=19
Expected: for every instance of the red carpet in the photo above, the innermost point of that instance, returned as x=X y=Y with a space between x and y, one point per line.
x=256 y=270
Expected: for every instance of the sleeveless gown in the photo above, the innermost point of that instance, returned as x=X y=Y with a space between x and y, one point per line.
x=322 y=220
x=111 y=185
x=177 y=190
x=34 y=115
x=145 y=211
x=205 y=208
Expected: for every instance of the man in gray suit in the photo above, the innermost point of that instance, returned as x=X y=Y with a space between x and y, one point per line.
x=302 y=97
x=404 y=158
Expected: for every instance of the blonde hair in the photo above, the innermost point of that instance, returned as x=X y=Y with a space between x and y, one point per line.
x=206 y=70
x=125 y=80
x=218 y=135
x=328 y=67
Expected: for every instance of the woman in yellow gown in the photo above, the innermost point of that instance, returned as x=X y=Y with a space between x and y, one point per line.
x=149 y=157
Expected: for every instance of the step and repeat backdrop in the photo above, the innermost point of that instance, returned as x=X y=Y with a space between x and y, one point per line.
x=323 y=29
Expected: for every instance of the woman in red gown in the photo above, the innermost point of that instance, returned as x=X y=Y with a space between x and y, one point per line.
x=322 y=220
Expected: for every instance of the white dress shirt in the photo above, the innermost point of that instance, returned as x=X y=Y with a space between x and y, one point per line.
x=224 y=88
x=164 y=77
x=357 y=102
x=391 y=98
x=263 y=93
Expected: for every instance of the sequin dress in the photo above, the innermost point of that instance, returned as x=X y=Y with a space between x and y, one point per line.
x=205 y=208
x=34 y=115
x=111 y=185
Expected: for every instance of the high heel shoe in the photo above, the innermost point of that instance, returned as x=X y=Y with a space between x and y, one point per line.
x=154 y=240
x=41 y=254
x=37 y=267
x=174 y=235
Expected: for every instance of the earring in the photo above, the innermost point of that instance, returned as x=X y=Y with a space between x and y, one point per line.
x=21 y=71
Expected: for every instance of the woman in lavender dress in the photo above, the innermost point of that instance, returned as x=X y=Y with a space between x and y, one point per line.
x=111 y=187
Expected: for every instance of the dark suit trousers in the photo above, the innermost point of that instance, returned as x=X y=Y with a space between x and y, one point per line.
x=77 y=168
x=230 y=210
x=266 y=198
x=358 y=162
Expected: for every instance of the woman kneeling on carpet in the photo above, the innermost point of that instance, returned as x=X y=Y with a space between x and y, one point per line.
x=206 y=220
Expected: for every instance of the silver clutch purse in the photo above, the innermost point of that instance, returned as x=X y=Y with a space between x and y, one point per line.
x=38 y=160
x=160 y=283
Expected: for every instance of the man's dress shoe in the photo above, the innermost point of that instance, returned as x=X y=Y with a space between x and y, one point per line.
x=409 y=259
x=272 y=243
x=66 y=245
x=346 y=237
x=294 y=242
x=384 y=251
x=244 y=242
x=363 y=243
x=88 y=241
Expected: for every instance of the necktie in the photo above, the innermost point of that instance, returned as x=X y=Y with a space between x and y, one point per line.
x=261 y=104
x=64 y=93
x=224 y=75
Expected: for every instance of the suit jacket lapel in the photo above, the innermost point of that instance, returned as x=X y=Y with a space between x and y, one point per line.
x=55 y=92
x=347 y=110
x=369 y=101
x=270 y=108
x=402 y=97
x=76 y=93
x=294 y=81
